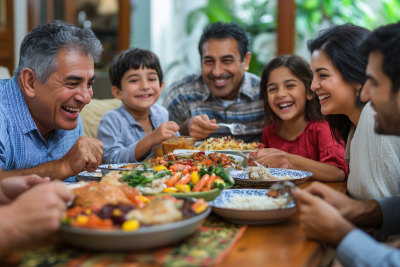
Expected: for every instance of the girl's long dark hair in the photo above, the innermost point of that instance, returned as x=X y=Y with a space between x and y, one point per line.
x=299 y=68
x=340 y=45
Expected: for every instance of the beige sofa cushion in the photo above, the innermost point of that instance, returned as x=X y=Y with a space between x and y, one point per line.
x=92 y=113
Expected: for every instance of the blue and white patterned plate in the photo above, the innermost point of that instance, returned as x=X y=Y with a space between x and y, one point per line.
x=252 y=217
x=116 y=167
x=89 y=176
x=296 y=176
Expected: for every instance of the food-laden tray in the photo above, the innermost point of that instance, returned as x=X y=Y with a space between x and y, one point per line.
x=196 y=158
x=117 y=217
x=252 y=206
x=228 y=144
x=267 y=177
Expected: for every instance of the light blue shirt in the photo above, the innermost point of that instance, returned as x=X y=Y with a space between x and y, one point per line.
x=21 y=144
x=120 y=134
x=361 y=250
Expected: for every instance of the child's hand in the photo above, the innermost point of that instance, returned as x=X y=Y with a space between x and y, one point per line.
x=164 y=131
x=275 y=158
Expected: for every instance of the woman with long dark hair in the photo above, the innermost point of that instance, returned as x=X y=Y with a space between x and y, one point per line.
x=339 y=75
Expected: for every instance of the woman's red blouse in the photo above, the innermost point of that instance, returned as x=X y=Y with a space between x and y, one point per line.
x=314 y=142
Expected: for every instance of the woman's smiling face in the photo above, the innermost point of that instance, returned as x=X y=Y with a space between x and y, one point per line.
x=336 y=95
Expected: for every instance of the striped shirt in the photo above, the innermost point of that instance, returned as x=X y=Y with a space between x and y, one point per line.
x=21 y=144
x=190 y=97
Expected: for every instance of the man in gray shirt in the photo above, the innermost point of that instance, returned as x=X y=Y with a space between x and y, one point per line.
x=329 y=216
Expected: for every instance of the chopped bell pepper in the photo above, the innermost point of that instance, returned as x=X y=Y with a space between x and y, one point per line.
x=184 y=188
x=195 y=177
x=144 y=199
x=130 y=225
x=160 y=168
x=170 y=190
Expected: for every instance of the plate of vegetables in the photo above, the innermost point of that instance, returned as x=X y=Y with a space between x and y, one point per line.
x=111 y=217
x=182 y=180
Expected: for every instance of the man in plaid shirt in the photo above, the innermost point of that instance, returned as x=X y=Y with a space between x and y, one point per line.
x=223 y=93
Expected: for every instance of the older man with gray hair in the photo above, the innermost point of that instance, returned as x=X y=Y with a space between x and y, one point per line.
x=41 y=130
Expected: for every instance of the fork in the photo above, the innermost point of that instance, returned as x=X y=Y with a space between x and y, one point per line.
x=236 y=128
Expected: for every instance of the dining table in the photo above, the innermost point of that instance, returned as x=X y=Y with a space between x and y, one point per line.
x=282 y=244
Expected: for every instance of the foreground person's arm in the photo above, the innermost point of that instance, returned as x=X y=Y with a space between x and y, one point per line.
x=361 y=250
x=85 y=154
x=32 y=216
x=324 y=221
x=11 y=188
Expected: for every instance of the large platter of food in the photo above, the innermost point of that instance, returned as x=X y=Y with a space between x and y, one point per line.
x=196 y=158
x=117 y=217
x=179 y=180
x=252 y=206
x=264 y=177
x=228 y=144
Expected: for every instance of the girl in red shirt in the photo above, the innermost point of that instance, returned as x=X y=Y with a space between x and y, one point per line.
x=296 y=136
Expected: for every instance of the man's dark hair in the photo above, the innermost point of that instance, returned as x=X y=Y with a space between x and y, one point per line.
x=220 y=30
x=387 y=40
x=340 y=44
x=133 y=58
x=299 y=68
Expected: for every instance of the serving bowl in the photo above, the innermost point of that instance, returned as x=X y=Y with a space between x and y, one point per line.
x=251 y=217
x=144 y=238
x=297 y=177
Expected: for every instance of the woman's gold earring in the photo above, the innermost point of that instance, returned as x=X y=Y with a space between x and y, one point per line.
x=358 y=90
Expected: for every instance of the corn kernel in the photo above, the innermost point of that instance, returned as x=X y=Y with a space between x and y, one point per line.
x=117 y=212
x=82 y=219
x=130 y=225
x=88 y=211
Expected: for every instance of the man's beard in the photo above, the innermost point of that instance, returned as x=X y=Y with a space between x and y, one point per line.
x=388 y=119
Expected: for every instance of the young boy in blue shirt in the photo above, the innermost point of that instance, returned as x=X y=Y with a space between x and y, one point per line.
x=130 y=132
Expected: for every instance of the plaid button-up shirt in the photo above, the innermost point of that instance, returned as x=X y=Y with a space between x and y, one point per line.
x=21 y=144
x=190 y=97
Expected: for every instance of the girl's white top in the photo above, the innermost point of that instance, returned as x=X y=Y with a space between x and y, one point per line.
x=374 y=160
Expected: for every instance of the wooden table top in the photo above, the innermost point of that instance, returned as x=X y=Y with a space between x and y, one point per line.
x=281 y=244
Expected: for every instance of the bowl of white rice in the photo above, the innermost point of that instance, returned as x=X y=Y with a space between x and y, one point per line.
x=251 y=206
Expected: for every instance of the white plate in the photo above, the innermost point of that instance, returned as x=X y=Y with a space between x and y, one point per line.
x=251 y=217
x=144 y=238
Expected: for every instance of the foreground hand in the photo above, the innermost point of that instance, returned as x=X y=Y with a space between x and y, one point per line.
x=85 y=155
x=273 y=157
x=346 y=206
x=12 y=187
x=33 y=215
x=163 y=132
x=201 y=126
x=320 y=220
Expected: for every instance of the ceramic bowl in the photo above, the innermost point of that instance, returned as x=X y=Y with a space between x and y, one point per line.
x=251 y=217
